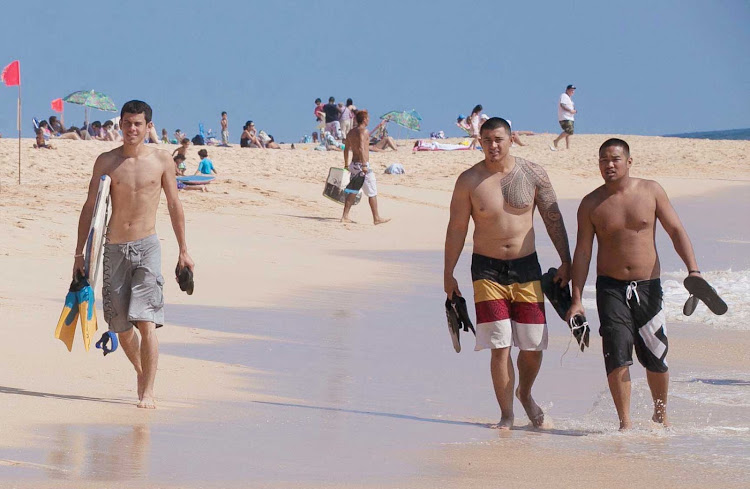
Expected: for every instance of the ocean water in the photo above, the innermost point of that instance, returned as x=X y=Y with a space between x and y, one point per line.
x=733 y=134
x=732 y=286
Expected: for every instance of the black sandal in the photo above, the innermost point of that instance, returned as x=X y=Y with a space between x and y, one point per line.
x=700 y=289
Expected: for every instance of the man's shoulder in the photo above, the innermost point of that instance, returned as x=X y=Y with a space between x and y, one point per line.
x=644 y=186
x=593 y=197
x=535 y=171
x=157 y=154
x=472 y=175
x=110 y=155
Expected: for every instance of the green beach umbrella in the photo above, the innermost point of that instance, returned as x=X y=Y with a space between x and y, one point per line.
x=409 y=119
x=93 y=99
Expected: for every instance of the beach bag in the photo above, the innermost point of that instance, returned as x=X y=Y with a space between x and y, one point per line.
x=198 y=140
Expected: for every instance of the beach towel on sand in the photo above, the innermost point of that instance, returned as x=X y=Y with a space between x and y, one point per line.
x=423 y=145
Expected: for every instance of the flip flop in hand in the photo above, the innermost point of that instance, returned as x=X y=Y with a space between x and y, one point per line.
x=701 y=290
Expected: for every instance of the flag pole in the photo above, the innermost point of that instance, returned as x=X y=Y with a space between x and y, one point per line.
x=19 y=132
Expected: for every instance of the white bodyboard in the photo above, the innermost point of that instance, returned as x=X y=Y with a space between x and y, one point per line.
x=95 y=242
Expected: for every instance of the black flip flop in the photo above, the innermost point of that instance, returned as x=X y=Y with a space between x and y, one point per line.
x=453 y=325
x=699 y=288
x=458 y=318
x=559 y=297
x=185 y=279
x=581 y=330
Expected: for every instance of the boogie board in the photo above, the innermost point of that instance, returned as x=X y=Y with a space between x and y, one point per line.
x=195 y=179
x=95 y=242
x=338 y=179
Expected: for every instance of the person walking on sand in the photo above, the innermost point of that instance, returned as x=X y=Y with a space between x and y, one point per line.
x=622 y=214
x=224 y=129
x=500 y=194
x=358 y=143
x=474 y=122
x=132 y=283
x=566 y=114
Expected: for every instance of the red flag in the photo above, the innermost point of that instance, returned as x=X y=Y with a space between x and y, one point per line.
x=11 y=75
x=57 y=105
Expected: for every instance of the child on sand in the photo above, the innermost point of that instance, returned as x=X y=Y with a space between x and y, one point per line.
x=40 y=142
x=182 y=149
x=206 y=166
x=179 y=161
x=224 y=129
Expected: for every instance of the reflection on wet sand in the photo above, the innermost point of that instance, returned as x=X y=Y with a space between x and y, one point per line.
x=99 y=453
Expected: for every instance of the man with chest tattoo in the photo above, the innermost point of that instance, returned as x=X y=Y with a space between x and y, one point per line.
x=500 y=194
x=132 y=279
x=622 y=215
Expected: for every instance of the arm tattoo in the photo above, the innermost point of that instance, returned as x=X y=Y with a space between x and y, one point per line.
x=527 y=183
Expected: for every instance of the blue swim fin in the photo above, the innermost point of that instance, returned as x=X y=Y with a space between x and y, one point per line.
x=87 y=313
x=66 y=325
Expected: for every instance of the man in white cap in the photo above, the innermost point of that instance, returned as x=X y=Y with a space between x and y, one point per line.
x=566 y=116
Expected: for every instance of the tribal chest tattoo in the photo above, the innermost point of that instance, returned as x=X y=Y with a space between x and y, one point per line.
x=528 y=184
x=524 y=183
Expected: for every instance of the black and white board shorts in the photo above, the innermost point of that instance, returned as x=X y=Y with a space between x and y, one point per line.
x=631 y=314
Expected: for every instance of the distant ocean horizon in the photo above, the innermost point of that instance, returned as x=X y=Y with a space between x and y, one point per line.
x=735 y=134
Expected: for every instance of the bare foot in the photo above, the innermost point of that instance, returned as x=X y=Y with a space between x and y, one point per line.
x=147 y=403
x=505 y=424
x=660 y=417
x=382 y=221
x=533 y=411
x=346 y=220
x=625 y=425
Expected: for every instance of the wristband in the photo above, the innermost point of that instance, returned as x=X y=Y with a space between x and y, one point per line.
x=78 y=256
x=693 y=271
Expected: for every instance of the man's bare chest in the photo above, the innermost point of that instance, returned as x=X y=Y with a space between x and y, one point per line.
x=630 y=214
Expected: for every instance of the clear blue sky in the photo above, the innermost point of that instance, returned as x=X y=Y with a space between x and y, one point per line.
x=641 y=67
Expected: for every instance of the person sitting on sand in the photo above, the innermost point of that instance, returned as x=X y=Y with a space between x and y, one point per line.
x=179 y=135
x=380 y=140
x=249 y=137
x=179 y=163
x=46 y=132
x=386 y=142
x=40 y=141
x=206 y=166
x=52 y=134
x=94 y=130
x=362 y=177
x=109 y=133
x=56 y=126
x=164 y=136
x=272 y=144
x=622 y=215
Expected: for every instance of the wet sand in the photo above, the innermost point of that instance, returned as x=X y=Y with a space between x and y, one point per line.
x=270 y=380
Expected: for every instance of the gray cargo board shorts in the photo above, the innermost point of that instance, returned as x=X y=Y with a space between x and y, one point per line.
x=133 y=285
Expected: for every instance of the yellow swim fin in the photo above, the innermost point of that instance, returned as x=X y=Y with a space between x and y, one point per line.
x=66 y=326
x=87 y=314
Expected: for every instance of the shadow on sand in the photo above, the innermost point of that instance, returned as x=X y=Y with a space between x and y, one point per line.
x=313 y=218
x=426 y=420
x=24 y=392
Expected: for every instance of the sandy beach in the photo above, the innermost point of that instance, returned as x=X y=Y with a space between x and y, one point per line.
x=314 y=354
